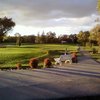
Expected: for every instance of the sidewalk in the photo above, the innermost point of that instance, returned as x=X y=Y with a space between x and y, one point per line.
x=86 y=58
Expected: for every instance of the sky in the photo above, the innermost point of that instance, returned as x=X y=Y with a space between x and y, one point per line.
x=59 y=16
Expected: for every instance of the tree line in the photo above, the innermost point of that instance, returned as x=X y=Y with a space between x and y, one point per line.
x=49 y=37
x=84 y=38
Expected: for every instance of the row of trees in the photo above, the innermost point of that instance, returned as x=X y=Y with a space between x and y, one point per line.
x=91 y=37
x=48 y=37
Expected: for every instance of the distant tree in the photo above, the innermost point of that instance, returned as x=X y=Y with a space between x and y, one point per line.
x=80 y=37
x=10 y=39
x=6 y=25
x=83 y=37
x=37 y=38
x=98 y=6
x=72 y=38
x=50 y=37
x=31 y=39
x=75 y=39
x=18 y=39
x=63 y=37
x=43 y=38
x=86 y=37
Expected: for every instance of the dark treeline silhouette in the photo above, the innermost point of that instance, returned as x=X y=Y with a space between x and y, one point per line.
x=48 y=38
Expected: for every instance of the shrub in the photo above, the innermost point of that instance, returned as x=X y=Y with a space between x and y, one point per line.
x=47 y=63
x=18 y=65
x=74 y=57
x=33 y=63
x=94 y=50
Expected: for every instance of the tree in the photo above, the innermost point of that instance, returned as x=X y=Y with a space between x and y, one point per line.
x=95 y=34
x=83 y=37
x=18 y=39
x=6 y=24
x=43 y=38
x=10 y=39
x=50 y=37
x=31 y=38
x=37 y=39
x=80 y=37
x=98 y=6
x=73 y=38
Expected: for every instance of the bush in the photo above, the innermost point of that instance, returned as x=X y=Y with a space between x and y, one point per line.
x=94 y=50
x=33 y=63
x=47 y=63
x=18 y=65
x=74 y=57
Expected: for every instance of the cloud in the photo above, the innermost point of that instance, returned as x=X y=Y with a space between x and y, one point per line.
x=48 y=9
x=50 y=13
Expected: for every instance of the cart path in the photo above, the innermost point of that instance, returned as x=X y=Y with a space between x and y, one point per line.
x=86 y=58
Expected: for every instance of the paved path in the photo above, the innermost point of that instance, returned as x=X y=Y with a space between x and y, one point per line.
x=67 y=81
x=86 y=58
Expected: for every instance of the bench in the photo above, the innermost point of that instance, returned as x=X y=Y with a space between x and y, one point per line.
x=63 y=58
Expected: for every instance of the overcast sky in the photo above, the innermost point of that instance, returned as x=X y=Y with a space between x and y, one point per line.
x=60 y=16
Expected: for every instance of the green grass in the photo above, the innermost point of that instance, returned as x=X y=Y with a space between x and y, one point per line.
x=12 y=54
x=96 y=56
x=87 y=48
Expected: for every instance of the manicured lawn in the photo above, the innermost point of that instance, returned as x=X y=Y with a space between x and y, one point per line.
x=12 y=54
